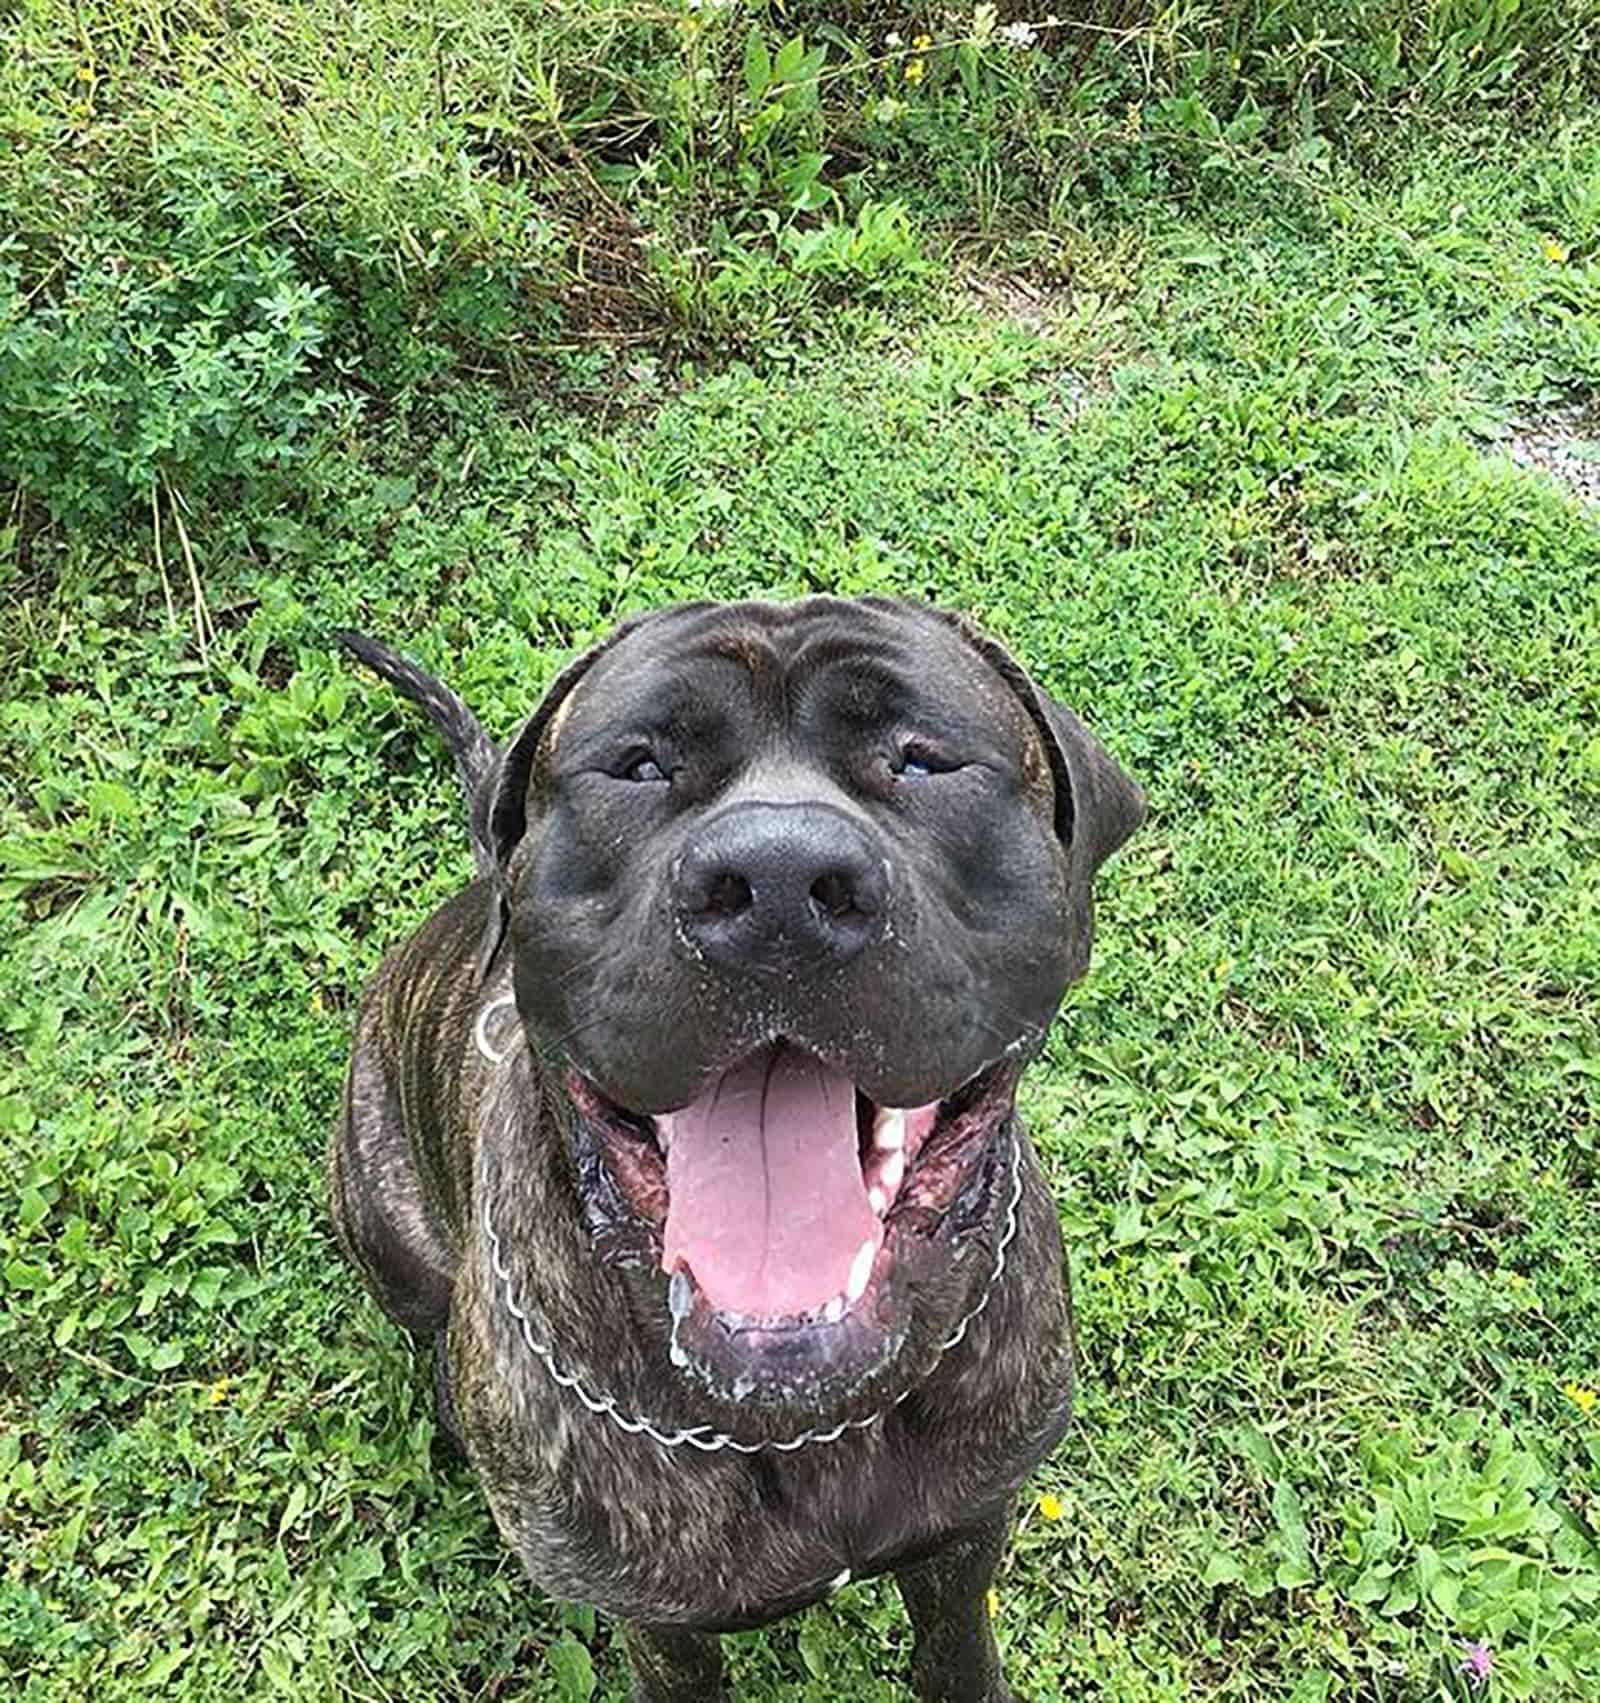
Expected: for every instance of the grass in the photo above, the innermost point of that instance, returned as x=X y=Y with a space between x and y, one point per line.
x=1321 y=1122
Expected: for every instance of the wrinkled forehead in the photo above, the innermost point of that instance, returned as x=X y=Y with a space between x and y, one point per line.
x=866 y=661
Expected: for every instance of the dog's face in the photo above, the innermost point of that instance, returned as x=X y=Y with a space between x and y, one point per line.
x=792 y=893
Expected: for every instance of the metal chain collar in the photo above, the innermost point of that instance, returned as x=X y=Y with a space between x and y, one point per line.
x=702 y=1437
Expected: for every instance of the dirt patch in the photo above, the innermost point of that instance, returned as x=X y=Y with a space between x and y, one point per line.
x=1010 y=296
x=1564 y=443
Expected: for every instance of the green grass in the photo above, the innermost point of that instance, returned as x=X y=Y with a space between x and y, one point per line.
x=1321 y=1121
x=233 y=230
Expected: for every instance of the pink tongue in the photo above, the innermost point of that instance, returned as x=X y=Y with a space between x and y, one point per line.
x=765 y=1200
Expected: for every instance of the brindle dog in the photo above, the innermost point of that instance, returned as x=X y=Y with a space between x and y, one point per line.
x=686 y=1133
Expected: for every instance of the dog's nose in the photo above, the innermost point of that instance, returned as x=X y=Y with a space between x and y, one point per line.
x=776 y=887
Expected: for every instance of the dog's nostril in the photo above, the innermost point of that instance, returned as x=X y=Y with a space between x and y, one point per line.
x=835 y=895
x=728 y=896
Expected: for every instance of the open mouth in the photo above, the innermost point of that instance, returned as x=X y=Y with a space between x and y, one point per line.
x=782 y=1201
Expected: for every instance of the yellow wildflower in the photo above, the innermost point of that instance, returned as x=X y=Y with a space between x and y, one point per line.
x=1581 y=1396
x=1050 y=1506
x=1554 y=251
x=218 y=1393
x=922 y=43
x=994 y=1602
x=915 y=70
x=85 y=73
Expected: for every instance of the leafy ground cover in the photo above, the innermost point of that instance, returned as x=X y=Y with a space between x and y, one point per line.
x=1321 y=1121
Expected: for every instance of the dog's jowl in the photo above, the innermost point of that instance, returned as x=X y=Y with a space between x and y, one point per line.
x=686 y=1133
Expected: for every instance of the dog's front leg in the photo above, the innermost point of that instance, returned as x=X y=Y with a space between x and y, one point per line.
x=947 y=1596
x=673 y=1666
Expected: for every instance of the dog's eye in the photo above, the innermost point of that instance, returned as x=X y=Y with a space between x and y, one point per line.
x=642 y=767
x=915 y=761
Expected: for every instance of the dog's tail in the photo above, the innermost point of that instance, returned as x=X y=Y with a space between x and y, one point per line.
x=476 y=755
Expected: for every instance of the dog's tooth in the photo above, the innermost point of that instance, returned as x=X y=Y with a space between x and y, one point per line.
x=678 y=1354
x=834 y=1311
x=889 y=1128
x=877 y=1200
x=680 y=1297
x=894 y=1170
x=860 y=1271
x=663 y=1134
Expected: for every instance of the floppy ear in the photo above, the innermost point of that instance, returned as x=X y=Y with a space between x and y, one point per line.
x=500 y=810
x=1097 y=805
x=503 y=803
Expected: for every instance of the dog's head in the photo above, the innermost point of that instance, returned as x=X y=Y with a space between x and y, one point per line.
x=792 y=893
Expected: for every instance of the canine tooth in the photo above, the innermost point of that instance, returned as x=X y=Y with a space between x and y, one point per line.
x=680 y=1297
x=860 y=1271
x=678 y=1354
x=834 y=1311
x=894 y=1170
x=889 y=1128
x=877 y=1200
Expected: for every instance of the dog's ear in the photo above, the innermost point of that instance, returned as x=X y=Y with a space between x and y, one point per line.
x=503 y=803
x=500 y=811
x=1096 y=805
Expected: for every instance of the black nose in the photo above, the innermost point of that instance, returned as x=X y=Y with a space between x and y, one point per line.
x=776 y=887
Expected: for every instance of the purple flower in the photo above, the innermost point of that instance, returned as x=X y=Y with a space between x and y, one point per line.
x=1477 y=1661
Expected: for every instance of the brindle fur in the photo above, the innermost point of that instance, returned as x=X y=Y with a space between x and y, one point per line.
x=679 y=1544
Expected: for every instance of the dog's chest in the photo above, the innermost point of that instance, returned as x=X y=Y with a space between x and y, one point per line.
x=724 y=1543
x=601 y=1509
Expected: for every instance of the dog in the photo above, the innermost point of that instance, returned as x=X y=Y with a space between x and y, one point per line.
x=686 y=1134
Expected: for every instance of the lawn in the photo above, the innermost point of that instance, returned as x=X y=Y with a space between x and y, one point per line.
x=1220 y=451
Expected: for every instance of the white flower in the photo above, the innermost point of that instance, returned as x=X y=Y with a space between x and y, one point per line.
x=1019 y=35
x=892 y=39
